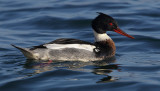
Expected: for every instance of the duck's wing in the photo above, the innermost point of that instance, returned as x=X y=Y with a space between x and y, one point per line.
x=69 y=41
x=66 y=43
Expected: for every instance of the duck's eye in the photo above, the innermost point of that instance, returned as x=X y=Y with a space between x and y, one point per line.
x=110 y=24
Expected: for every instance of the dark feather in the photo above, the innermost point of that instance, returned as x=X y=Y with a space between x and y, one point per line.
x=63 y=41
x=69 y=41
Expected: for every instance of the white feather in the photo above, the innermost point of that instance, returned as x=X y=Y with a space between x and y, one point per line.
x=77 y=46
x=101 y=37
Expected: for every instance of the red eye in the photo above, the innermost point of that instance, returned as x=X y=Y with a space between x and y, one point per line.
x=110 y=24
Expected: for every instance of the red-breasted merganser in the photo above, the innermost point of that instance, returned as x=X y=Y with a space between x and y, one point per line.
x=65 y=49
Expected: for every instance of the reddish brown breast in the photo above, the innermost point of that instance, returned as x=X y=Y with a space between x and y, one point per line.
x=106 y=48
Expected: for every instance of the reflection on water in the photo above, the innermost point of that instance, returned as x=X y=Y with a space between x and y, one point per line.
x=104 y=67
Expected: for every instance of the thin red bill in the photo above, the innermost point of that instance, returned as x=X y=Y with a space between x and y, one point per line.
x=118 y=30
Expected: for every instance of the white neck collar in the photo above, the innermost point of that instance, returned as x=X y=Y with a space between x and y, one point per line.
x=100 y=37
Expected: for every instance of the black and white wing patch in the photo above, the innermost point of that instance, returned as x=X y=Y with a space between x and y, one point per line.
x=65 y=46
x=67 y=43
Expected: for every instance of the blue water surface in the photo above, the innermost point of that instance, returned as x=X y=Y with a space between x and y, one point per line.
x=32 y=22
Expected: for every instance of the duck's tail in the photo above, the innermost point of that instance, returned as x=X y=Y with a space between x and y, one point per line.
x=26 y=52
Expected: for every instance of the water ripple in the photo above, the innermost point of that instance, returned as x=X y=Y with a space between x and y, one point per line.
x=29 y=23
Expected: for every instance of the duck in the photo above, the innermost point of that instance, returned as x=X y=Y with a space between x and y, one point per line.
x=69 y=49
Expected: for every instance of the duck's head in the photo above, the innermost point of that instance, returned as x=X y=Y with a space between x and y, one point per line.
x=103 y=23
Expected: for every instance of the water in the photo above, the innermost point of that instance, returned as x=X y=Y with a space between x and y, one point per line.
x=31 y=22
